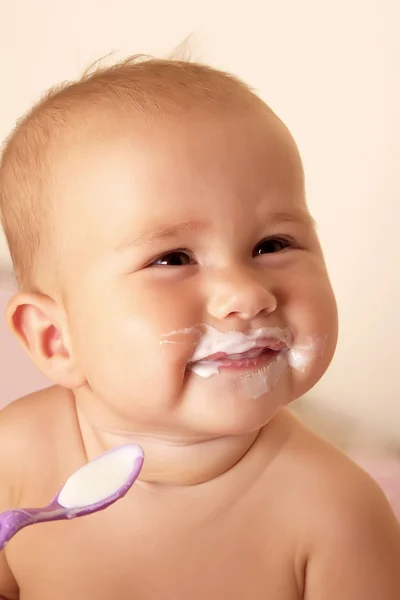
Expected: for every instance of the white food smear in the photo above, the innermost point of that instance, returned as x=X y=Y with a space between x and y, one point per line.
x=213 y=341
x=260 y=382
x=101 y=478
x=231 y=342
x=299 y=357
x=234 y=342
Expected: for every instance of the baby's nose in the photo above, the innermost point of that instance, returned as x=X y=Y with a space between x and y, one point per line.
x=240 y=294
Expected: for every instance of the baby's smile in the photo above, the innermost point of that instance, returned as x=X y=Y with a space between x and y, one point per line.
x=234 y=351
x=219 y=352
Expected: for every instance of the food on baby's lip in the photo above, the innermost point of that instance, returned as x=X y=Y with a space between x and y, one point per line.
x=236 y=349
x=218 y=350
x=92 y=488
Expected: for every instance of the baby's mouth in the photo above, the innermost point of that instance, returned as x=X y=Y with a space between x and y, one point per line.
x=259 y=348
x=259 y=356
x=217 y=351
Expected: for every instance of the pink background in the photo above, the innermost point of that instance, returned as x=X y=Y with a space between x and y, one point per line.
x=18 y=376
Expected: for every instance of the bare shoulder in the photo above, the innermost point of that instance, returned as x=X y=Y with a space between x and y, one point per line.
x=30 y=429
x=350 y=535
x=26 y=430
x=329 y=483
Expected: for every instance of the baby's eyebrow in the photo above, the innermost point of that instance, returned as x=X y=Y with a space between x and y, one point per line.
x=162 y=232
x=298 y=216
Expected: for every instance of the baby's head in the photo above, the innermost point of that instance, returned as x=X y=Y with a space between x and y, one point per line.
x=147 y=205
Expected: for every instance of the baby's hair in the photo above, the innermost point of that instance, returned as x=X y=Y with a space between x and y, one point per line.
x=73 y=111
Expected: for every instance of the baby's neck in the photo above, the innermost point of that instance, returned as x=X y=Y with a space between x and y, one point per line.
x=171 y=460
x=180 y=463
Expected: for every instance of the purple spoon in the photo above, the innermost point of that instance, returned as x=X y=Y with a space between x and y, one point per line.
x=92 y=488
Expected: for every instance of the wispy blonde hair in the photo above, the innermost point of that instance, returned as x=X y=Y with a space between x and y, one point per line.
x=138 y=84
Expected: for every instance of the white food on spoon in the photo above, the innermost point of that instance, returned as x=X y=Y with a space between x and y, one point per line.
x=101 y=478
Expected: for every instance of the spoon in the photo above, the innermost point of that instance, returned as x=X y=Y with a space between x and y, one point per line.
x=92 y=488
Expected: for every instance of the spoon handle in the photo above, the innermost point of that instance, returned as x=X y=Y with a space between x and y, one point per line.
x=11 y=521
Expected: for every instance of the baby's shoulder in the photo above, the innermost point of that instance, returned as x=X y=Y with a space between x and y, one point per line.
x=348 y=538
x=327 y=492
x=30 y=430
x=324 y=474
x=33 y=418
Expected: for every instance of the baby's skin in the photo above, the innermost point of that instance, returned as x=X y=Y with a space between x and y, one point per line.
x=185 y=221
x=292 y=519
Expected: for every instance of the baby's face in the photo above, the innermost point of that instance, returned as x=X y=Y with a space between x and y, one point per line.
x=184 y=224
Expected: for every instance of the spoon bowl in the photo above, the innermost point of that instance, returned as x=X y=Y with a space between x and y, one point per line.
x=92 y=488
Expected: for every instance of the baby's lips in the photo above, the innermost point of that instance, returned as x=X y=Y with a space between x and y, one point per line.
x=275 y=345
x=215 y=356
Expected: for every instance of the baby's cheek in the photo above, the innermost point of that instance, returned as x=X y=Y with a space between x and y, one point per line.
x=309 y=361
x=312 y=316
x=312 y=306
x=163 y=304
x=140 y=364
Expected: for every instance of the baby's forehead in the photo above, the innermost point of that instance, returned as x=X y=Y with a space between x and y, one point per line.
x=192 y=150
x=36 y=165
x=167 y=174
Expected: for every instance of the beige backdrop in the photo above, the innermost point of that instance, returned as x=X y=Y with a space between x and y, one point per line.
x=332 y=71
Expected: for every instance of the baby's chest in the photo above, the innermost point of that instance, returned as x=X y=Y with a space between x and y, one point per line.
x=100 y=560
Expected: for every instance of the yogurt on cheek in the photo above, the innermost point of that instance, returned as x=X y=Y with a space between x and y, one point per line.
x=301 y=356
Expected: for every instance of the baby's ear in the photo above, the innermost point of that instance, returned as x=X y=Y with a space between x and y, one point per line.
x=40 y=325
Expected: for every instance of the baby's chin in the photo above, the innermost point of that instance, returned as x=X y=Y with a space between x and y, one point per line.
x=225 y=405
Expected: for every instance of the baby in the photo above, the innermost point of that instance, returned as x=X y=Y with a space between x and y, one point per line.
x=173 y=288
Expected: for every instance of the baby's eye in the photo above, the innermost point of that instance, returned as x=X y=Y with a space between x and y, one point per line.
x=178 y=258
x=273 y=245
